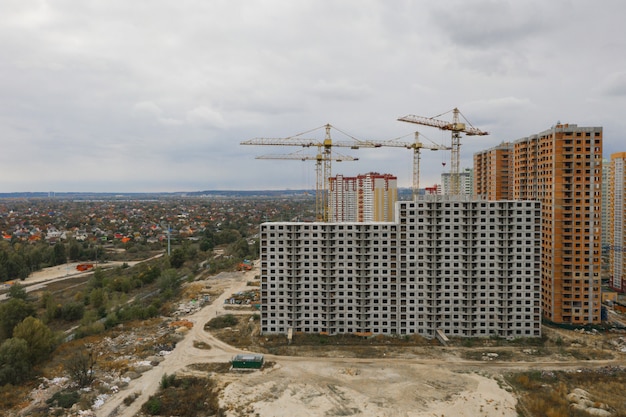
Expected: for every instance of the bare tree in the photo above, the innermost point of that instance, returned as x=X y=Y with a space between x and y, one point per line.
x=81 y=367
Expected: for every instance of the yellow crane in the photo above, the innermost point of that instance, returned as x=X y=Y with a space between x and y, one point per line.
x=321 y=197
x=416 y=146
x=456 y=127
x=324 y=151
x=325 y=156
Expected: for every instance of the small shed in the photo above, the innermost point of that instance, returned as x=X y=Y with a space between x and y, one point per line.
x=247 y=361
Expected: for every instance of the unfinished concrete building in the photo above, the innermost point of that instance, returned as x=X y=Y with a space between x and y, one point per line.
x=468 y=268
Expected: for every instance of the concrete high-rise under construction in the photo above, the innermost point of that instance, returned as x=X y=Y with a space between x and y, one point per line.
x=562 y=168
x=467 y=268
x=617 y=216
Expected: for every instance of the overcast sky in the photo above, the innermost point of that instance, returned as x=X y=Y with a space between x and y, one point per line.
x=154 y=95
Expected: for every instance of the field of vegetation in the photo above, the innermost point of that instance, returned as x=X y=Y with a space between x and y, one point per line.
x=57 y=331
x=555 y=393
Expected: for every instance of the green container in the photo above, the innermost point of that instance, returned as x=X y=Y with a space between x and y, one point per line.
x=247 y=361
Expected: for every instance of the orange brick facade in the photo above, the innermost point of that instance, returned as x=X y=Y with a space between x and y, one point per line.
x=493 y=173
x=562 y=168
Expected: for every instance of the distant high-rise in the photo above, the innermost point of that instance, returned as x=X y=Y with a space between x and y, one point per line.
x=493 y=172
x=617 y=216
x=606 y=213
x=466 y=179
x=342 y=201
x=364 y=198
x=562 y=168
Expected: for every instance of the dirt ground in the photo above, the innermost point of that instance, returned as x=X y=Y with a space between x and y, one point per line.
x=316 y=386
x=374 y=378
x=311 y=388
x=412 y=378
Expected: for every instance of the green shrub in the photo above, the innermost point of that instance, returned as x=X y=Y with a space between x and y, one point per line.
x=219 y=322
x=111 y=321
x=152 y=406
x=64 y=399
x=89 y=329
x=167 y=381
x=72 y=311
x=15 y=365
x=131 y=398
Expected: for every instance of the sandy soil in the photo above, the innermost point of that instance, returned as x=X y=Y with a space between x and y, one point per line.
x=365 y=389
x=310 y=387
x=295 y=386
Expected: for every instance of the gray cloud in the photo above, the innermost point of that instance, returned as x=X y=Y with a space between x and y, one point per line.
x=614 y=85
x=156 y=95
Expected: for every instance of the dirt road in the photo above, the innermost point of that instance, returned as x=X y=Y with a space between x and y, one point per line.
x=321 y=386
x=184 y=354
x=443 y=385
x=40 y=279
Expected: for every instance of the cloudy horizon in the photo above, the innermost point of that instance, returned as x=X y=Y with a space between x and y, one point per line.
x=156 y=96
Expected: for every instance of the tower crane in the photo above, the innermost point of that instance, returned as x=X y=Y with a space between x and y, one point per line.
x=321 y=203
x=417 y=147
x=325 y=157
x=456 y=127
x=324 y=151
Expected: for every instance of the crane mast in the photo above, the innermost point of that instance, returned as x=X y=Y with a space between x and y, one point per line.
x=456 y=127
x=325 y=157
x=321 y=203
x=417 y=148
x=325 y=147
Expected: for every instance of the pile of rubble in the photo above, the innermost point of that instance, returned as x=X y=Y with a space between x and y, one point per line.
x=120 y=359
x=619 y=344
x=244 y=298
x=181 y=326
x=581 y=400
x=189 y=307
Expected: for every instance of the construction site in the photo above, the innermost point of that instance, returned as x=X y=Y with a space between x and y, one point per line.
x=319 y=375
x=492 y=273
x=435 y=309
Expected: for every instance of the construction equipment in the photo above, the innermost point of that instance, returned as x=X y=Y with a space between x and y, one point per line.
x=325 y=156
x=324 y=153
x=321 y=196
x=416 y=146
x=456 y=127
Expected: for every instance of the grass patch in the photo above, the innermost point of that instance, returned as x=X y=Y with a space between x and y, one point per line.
x=184 y=397
x=543 y=393
x=220 y=322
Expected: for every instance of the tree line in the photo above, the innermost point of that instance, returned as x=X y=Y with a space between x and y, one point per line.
x=18 y=260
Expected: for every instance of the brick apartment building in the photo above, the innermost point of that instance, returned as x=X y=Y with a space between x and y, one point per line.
x=364 y=198
x=562 y=168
